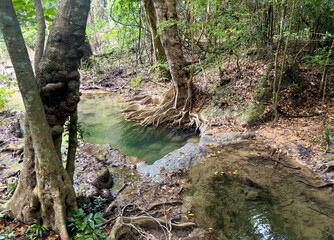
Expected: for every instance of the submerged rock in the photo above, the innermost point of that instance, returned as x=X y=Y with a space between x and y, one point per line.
x=181 y=160
x=175 y=162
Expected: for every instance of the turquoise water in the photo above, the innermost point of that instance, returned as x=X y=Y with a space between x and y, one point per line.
x=103 y=123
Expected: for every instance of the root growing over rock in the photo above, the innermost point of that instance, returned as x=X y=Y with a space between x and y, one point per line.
x=173 y=110
x=125 y=225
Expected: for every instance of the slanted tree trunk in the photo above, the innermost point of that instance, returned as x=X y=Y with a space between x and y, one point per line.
x=159 y=51
x=177 y=103
x=45 y=190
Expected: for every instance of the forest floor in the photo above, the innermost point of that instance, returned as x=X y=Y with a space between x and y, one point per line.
x=298 y=135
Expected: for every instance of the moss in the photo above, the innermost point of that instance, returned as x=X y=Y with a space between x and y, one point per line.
x=251 y=113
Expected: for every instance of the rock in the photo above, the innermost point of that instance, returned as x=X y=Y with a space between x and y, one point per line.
x=103 y=179
x=105 y=193
x=182 y=159
x=252 y=195
x=197 y=233
x=223 y=138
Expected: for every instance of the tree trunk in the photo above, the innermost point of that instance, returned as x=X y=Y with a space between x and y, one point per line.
x=158 y=49
x=166 y=11
x=39 y=50
x=322 y=89
x=176 y=105
x=45 y=190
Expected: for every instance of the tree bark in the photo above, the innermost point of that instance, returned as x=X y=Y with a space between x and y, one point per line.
x=39 y=50
x=159 y=51
x=176 y=104
x=45 y=189
x=166 y=11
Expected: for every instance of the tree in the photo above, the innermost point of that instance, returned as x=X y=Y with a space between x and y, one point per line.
x=45 y=190
x=177 y=103
x=159 y=51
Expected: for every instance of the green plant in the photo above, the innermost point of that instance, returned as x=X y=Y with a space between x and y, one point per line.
x=99 y=203
x=7 y=80
x=328 y=139
x=5 y=95
x=3 y=214
x=36 y=229
x=85 y=227
x=11 y=186
x=135 y=81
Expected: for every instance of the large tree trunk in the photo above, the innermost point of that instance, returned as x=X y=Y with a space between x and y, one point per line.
x=176 y=105
x=166 y=11
x=45 y=189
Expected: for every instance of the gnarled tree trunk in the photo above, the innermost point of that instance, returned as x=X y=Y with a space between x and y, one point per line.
x=45 y=188
x=177 y=103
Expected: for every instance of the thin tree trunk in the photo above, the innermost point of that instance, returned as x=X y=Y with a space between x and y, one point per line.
x=72 y=144
x=277 y=59
x=39 y=50
x=159 y=51
x=283 y=64
x=323 y=83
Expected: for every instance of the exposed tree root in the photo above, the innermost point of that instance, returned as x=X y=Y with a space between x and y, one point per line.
x=171 y=111
x=124 y=224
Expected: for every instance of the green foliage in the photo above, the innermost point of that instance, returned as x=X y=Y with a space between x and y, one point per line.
x=5 y=95
x=84 y=226
x=25 y=10
x=36 y=229
x=328 y=139
x=3 y=214
x=12 y=187
x=136 y=81
x=319 y=58
x=99 y=204
x=7 y=80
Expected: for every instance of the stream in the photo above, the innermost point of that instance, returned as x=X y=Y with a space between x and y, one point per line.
x=239 y=193
x=102 y=121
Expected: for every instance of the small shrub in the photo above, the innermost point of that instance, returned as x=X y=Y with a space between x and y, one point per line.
x=5 y=95
x=36 y=229
x=328 y=139
x=85 y=227
x=99 y=203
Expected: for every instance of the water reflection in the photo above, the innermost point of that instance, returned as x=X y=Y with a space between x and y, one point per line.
x=259 y=201
x=101 y=117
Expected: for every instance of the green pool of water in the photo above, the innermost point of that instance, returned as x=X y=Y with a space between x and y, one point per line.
x=103 y=122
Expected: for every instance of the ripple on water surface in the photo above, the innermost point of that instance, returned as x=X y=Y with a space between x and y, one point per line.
x=242 y=196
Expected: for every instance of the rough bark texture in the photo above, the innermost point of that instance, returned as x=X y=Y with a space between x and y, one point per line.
x=45 y=189
x=59 y=76
x=176 y=105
